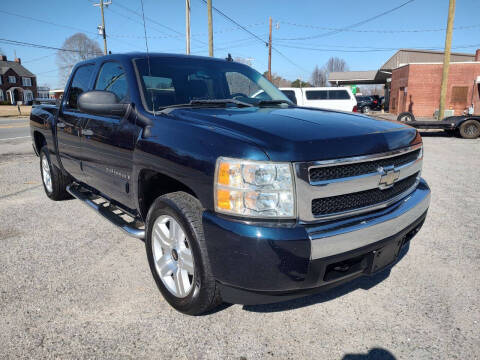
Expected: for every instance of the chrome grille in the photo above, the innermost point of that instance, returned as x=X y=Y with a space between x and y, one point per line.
x=344 y=187
x=343 y=171
x=361 y=199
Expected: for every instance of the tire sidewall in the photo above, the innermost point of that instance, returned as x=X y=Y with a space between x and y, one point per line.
x=44 y=153
x=165 y=206
x=365 y=110
x=465 y=125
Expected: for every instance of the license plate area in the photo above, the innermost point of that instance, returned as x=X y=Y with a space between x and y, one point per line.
x=385 y=256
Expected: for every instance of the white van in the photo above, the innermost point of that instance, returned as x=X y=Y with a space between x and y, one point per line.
x=333 y=98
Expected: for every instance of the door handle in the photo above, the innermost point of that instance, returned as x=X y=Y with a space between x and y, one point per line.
x=60 y=125
x=87 y=132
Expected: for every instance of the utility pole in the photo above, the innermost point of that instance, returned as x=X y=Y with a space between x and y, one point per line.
x=101 y=28
x=446 y=59
x=187 y=24
x=210 y=28
x=270 y=50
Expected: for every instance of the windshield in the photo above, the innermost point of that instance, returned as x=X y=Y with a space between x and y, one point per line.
x=181 y=80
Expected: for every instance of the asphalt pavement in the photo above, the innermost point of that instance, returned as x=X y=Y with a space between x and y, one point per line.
x=74 y=286
x=13 y=128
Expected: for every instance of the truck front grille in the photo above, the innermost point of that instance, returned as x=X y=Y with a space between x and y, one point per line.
x=341 y=203
x=330 y=189
x=356 y=169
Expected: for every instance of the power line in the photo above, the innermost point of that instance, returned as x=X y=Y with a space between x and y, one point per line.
x=352 y=25
x=39 y=46
x=256 y=36
x=236 y=23
x=384 y=31
x=367 y=50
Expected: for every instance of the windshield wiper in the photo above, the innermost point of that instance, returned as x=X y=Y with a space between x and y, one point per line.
x=272 y=102
x=208 y=102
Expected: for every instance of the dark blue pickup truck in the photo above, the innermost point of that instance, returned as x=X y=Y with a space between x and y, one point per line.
x=239 y=195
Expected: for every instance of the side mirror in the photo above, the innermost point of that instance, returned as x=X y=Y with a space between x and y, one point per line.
x=100 y=102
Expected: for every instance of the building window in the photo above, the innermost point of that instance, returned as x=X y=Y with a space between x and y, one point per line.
x=1 y=95
x=12 y=79
x=26 y=81
x=459 y=94
x=0 y=80
x=27 y=95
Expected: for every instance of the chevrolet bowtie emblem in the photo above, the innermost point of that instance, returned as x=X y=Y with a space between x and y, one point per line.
x=388 y=176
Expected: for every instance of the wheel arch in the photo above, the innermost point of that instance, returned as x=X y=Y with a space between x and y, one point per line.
x=39 y=141
x=152 y=184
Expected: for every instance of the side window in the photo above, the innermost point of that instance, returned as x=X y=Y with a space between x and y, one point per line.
x=338 y=95
x=79 y=84
x=112 y=78
x=316 y=94
x=239 y=84
x=291 y=95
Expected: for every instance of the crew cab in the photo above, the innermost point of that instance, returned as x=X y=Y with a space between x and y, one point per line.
x=332 y=98
x=238 y=199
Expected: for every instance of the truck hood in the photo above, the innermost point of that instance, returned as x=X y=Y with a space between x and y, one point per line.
x=300 y=134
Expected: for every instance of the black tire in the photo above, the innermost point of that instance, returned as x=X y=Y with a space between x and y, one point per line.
x=187 y=211
x=59 y=180
x=365 y=109
x=470 y=129
x=406 y=117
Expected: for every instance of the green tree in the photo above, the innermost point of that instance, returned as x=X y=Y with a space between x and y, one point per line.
x=299 y=83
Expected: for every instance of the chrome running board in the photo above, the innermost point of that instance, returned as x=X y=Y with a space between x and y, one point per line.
x=112 y=213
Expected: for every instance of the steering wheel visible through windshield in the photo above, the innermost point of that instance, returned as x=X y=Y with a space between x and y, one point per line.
x=176 y=80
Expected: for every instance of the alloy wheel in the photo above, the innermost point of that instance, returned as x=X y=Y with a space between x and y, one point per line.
x=173 y=256
x=46 y=174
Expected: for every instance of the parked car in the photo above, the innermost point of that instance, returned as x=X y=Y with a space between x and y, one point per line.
x=238 y=199
x=332 y=98
x=367 y=103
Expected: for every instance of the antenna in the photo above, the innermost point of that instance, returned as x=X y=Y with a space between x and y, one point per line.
x=148 y=55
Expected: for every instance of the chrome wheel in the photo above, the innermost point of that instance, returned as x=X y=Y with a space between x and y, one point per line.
x=46 y=174
x=173 y=256
x=471 y=130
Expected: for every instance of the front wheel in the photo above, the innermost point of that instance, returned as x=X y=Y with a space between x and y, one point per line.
x=470 y=129
x=406 y=117
x=177 y=254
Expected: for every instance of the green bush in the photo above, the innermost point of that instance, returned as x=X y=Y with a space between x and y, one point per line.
x=5 y=103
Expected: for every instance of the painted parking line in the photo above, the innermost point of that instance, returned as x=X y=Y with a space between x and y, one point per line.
x=14 y=126
x=18 y=137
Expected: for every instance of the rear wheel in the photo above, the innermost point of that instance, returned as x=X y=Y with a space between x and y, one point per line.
x=470 y=129
x=366 y=109
x=54 y=181
x=177 y=254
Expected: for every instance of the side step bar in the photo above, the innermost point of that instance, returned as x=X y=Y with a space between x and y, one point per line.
x=110 y=212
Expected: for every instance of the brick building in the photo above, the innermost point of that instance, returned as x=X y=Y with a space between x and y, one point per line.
x=412 y=80
x=415 y=87
x=16 y=82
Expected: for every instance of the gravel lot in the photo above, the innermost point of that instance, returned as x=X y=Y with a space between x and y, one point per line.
x=73 y=286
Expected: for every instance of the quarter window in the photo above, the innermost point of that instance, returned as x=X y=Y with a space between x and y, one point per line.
x=112 y=78
x=316 y=94
x=338 y=95
x=80 y=84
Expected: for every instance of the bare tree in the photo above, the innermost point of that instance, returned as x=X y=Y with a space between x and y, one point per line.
x=277 y=80
x=319 y=76
x=335 y=64
x=76 y=48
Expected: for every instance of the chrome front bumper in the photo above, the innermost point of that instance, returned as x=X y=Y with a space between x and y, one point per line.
x=343 y=235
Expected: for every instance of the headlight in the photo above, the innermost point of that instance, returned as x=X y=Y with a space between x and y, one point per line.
x=254 y=188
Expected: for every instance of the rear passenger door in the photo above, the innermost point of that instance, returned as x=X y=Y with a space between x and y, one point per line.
x=70 y=122
x=109 y=140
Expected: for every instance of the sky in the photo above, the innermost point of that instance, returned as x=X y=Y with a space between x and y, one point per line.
x=300 y=30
